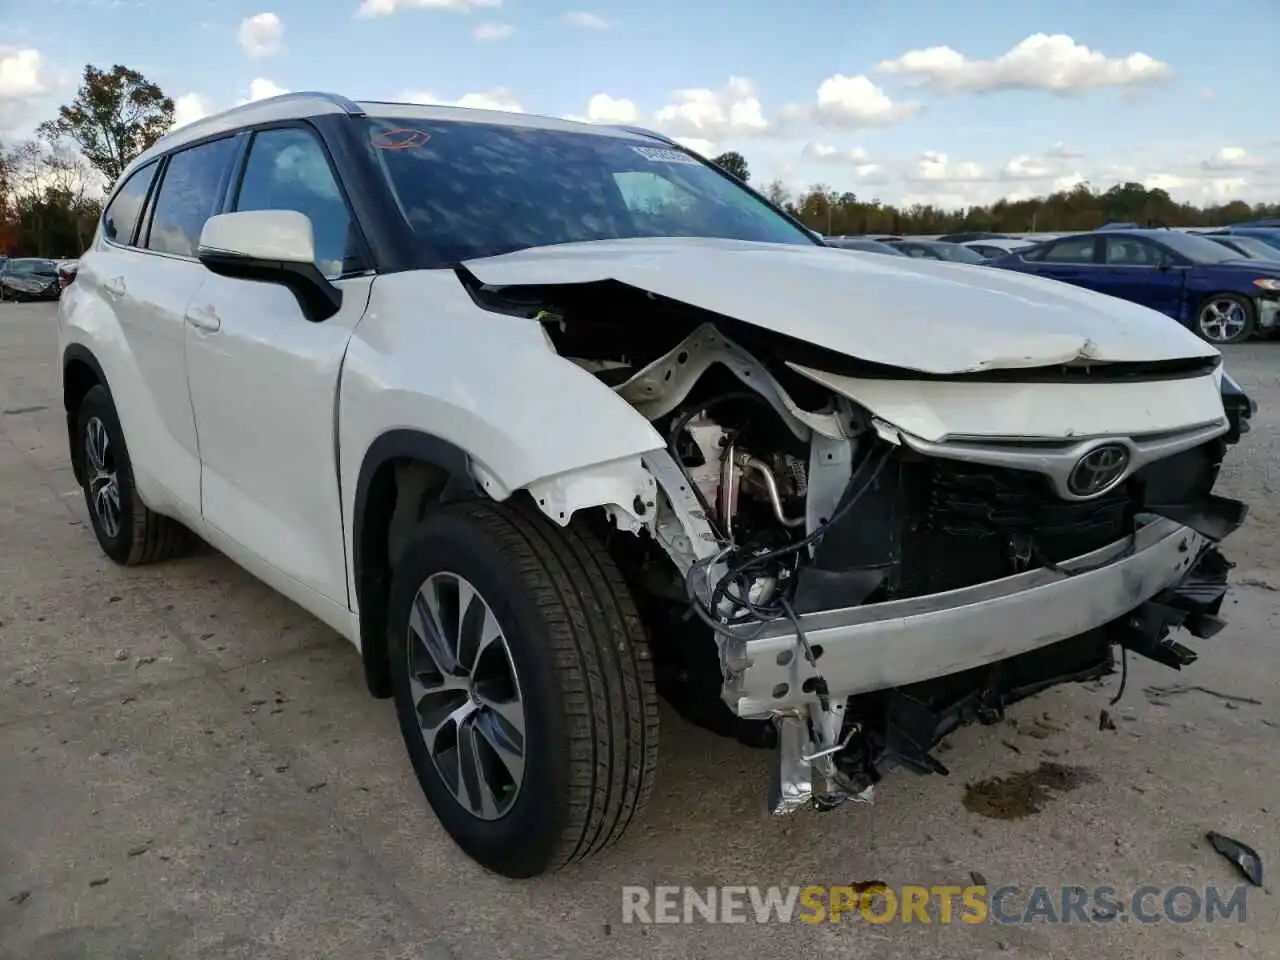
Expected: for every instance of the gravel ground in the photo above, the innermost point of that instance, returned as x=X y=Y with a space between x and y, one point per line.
x=190 y=767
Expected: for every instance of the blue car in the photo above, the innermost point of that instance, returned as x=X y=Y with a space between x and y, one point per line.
x=1203 y=285
x=1268 y=235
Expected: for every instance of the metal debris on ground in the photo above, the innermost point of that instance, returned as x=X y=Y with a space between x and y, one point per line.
x=1242 y=855
x=1178 y=688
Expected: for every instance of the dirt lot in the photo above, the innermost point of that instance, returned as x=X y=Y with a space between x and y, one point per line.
x=190 y=767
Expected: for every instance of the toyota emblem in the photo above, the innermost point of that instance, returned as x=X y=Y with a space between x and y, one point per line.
x=1098 y=470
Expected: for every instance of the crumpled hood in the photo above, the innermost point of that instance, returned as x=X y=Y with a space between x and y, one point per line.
x=924 y=315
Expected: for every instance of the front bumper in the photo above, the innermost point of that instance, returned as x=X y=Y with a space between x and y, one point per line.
x=1268 y=312
x=893 y=644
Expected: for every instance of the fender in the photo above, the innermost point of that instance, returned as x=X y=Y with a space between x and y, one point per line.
x=73 y=390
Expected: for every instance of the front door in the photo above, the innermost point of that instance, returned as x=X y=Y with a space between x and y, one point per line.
x=264 y=378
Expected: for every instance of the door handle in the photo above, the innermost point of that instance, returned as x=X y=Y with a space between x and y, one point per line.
x=114 y=287
x=205 y=319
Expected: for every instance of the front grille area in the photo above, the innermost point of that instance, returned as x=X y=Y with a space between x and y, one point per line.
x=926 y=525
x=964 y=524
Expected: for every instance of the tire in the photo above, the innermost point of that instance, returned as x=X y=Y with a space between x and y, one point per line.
x=138 y=534
x=582 y=675
x=1212 y=323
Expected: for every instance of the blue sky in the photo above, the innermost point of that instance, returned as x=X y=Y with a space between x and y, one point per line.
x=901 y=119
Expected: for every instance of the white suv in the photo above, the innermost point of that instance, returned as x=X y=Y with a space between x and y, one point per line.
x=549 y=418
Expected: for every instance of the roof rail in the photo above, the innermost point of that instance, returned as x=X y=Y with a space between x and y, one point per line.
x=351 y=108
x=642 y=131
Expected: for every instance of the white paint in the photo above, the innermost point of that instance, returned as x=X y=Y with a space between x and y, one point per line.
x=913 y=314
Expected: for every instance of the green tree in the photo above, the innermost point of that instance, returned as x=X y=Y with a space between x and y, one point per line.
x=734 y=163
x=117 y=114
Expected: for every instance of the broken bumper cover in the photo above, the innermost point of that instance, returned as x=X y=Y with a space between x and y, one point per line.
x=893 y=644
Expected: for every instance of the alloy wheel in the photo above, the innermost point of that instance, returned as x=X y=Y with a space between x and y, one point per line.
x=1222 y=320
x=466 y=695
x=103 y=477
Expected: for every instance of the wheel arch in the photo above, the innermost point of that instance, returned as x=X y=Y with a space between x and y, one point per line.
x=431 y=469
x=81 y=372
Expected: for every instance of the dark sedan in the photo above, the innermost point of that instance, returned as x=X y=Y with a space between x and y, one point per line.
x=867 y=246
x=28 y=278
x=1251 y=248
x=1205 y=286
x=939 y=250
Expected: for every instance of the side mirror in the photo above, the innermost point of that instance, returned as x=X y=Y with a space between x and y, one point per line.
x=271 y=246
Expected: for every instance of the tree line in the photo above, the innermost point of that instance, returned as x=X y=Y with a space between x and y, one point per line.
x=51 y=186
x=1083 y=207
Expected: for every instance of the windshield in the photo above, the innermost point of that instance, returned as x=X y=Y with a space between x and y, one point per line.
x=1252 y=246
x=1197 y=249
x=956 y=253
x=1270 y=238
x=478 y=190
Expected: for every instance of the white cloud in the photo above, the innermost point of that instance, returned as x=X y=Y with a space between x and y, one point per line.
x=851 y=103
x=22 y=74
x=260 y=35
x=704 y=148
x=1232 y=158
x=733 y=111
x=603 y=108
x=1040 y=62
x=1061 y=151
x=934 y=165
x=853 y=159
x=588 y=21
x=261 y=88
x=189 y=108
x=496 y=99
x=384 y=8
x=491 y=32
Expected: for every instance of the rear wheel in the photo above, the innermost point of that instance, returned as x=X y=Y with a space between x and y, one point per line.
x=1226 y=318
x=127 y=530
x=523 y=686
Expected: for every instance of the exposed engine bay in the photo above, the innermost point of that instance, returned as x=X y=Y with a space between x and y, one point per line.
x=805 y=515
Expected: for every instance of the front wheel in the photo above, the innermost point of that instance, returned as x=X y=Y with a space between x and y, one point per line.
x=523 y=686
x=1226 y=318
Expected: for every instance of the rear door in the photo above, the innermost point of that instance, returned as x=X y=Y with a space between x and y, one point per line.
x=1072 y=260
x=150 y=284
x=1138 y=270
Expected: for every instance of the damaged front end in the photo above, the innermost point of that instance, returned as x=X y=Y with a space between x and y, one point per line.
x=848 y=587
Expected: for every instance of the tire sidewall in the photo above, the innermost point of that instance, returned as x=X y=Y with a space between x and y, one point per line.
x=522 y=842
x=97 y=403
x=1250 y=322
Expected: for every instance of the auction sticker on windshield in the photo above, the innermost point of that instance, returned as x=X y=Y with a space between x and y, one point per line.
x=661 y=155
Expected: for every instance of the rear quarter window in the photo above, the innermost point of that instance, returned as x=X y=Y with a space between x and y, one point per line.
x=120 y=219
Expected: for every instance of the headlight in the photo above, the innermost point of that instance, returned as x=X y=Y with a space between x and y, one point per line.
x=1268 y=283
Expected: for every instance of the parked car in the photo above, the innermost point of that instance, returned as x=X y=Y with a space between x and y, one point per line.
x=867 y=246
x=995 y=246
x=550 y=418
x=67 y=272
x=1268 y=235
x=29 y=278
x=939 y=250
x=972 y=235
x=1201 y=284
x=1250 y=248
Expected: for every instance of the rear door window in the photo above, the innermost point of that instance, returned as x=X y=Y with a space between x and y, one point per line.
x=192 y=187
x=1071 y=250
